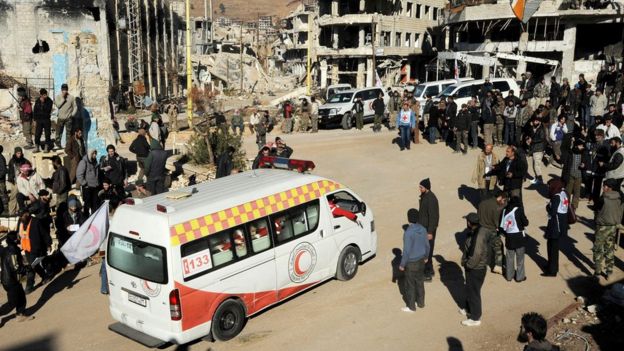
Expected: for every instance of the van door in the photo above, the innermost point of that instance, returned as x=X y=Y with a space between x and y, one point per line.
x=303 y=248
x=432 y=90
x=368 y=96
x=346 y=230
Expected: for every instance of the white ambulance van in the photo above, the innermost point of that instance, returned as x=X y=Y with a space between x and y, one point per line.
x=199 y=261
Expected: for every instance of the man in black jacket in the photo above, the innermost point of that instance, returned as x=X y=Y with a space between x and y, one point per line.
x=141 y=148
x=575 y=164
x=42 y=113
x=510 y=172
x=4 y=199
x=379 y=106
x=449 y=116
x=536 y=141
x=113 y=167
x=155 y=168
x=474 y=260
x=225 y=164
x=11 y=267
x=60 y=181
x=429 y=217
x=461 y=124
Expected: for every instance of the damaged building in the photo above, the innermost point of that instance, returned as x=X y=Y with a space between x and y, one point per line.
x=398 y=37
x=102 y=49
x=297 y=37
x=560 y=38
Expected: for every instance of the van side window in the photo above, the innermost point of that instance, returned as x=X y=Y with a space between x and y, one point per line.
x=502 y=86
x=259 y=234
x=224 y=247
x=296 y=222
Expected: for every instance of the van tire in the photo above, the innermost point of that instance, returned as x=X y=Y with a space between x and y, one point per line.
x=228 y=320
x=348 y=263
x=348 y=121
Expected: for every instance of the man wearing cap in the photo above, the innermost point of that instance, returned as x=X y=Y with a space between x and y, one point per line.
x=11 y=267
x=67 y=109
x=28 y=183
x=475 y=261
x=141 y=148
x=42 y=113
x=609 y=215
x=428 y=217
x=415 y=255
x=406 y=120
x=615 y=167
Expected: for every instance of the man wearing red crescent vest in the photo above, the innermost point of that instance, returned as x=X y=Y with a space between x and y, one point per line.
x=31 y=242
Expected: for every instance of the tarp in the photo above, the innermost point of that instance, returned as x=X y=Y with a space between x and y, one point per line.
x=524 y=9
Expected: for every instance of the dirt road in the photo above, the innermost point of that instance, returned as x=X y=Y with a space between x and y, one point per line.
x=362 y=314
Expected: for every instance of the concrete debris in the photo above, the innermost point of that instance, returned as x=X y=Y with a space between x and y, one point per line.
x=593 y=309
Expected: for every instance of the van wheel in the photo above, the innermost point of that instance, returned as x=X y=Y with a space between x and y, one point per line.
x=348 y=263
x=348 y=122
x=228 y=320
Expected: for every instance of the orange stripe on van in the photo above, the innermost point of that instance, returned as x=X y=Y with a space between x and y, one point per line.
x=214 y=222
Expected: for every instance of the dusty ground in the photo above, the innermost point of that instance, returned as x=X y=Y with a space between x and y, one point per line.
x=362 y=314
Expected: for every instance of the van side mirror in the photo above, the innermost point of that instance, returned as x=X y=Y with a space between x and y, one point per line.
x=362 y=208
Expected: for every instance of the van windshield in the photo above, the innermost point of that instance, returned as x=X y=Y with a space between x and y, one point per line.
x=448 y=90
x=340 y=97
x=137 y=258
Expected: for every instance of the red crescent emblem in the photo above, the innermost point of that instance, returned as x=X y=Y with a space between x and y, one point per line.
x=298 y=270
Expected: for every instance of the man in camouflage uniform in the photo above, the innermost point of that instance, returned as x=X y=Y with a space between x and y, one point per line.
x=305 y=116
x=607 y=220
x=541 y=93
x=499 y=109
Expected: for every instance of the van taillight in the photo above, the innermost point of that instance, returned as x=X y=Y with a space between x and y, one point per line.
x=174 y=305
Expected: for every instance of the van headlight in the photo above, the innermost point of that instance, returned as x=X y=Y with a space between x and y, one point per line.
x=334 y=111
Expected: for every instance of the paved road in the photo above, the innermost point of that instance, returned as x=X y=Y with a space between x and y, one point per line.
x=362 y=314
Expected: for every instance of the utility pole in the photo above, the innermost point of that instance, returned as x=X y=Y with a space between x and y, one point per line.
x=373 y=29
x=189 y=67
x=118 y=38
x=211 y=25
x=241 y=57
x=309 y=60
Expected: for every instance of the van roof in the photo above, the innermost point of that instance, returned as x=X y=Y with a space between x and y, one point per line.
x=233 y=192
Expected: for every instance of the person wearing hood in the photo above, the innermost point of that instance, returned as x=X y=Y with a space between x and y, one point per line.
x=88 y=174
x=114 y=168
x=608 y=215
x=557 y=226
x=513 y=222
x=489 y=212
x=13 y=171
x=574 y=166
x=72 y=219
x=533 y=330
x=11 y=267
x=415 y=255
x=429 y=217
x=141 y=148
x=155 y=168
x=281 y=149
x=225 y=164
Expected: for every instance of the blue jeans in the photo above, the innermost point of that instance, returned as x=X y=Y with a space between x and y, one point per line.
x=432 y=134
x=474 y=132
x=405 y=136
x=104 y=277
x=510 y=133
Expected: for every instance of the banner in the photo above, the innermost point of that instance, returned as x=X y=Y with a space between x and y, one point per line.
x=524 y=9
x=88 y=238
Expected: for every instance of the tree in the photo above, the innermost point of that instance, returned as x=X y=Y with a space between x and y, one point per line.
x=222 y=8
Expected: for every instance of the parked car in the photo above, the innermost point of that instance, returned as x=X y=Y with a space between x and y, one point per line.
x=463 y=92
x=341 y=103
x=433 y=89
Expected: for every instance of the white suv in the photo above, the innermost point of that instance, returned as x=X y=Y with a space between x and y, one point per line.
x=342 y=102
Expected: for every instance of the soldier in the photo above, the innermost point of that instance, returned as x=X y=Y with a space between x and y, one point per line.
x=609 y=215
x=358 y=109
x=393 y=109
x=489 y=215
x=379 y=106
x=314 y=109
x=11 y=264
x=172 y=112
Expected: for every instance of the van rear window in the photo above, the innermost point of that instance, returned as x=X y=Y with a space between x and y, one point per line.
x=137 y=258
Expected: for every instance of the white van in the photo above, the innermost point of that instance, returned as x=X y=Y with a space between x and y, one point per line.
x=463 y=92
x=198 y=262
x=433 y=89
x=335 y=88
x=341 y=103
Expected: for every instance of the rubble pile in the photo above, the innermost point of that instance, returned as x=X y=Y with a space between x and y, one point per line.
x=592 y=326
x=11 y=132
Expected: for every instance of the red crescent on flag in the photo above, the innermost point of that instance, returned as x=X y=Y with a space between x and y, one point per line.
x=95 y=235
x=298 y=270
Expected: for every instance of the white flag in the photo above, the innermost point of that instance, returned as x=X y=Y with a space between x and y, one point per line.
x=378 y=82
x=88 y=238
